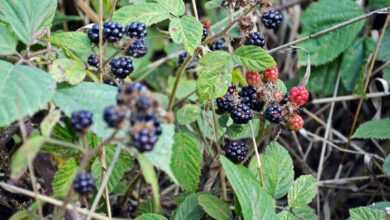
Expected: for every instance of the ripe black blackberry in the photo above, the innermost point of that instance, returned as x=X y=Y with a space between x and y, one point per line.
x=126 y=92
x=249 y=97
x=226 y=103
x=273 y=114
x=182 y=57
x=112 y=32
x=93 y=33
x=218 y=45
x=205 y=33
x=121 y=67
x=136 y=30
x=272 y=19
x=84 y=183
x=256 y=39
x=93 y=60
x=137 y=49
x=144 y=139
x=149 y=119
x=236 y=150
x=113 y=116
x=81 y=120
x=143 y=103
x=241 y=114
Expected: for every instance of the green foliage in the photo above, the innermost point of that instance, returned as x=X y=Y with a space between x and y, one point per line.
x=254 y=58
x=323 y=78
x=63 y=178
x=375 y=129
x=148 y=13
x=186 y=30
x=150 y=216
x=7 y=40
x=21 y=215
x=214 y=207
x=255 y=202
x=365 y=213
x=305 y=213
x=188 y=114
x=73 y=43
x=24 y=90
x=386 y=165
x=302 y=191
x=67 y=70
x=186 y=161
x=150 y=177
x=236 y=131
x=324 y=14
x=28 y=18
x=189 y=209
x=384 y=53
x=176 y=7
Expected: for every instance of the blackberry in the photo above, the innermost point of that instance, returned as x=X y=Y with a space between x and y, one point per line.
x=136 y=30
x=226 y=103
x=113 y=116
x=81 y=120
x=182 y=57
x=84 y=183
x=143 y=103
x=149 y=119
x=132 y=88
x=145 y=139
x=121 y=67
x=256 y=39
x=112 y=32
x=93 y=60
x=218 y=45
x=137 y=49
x=205 y=33
x=241 y=114
x=236 y=151
x=272 y=19
x=249 y=97
x=93 y=33
x=273 y=114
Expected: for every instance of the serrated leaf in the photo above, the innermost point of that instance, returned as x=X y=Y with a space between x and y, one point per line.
x=23 y=91
x=186 y=161
x=161 y=155
x=75 y=42
x=63 y=178
x=254 y=58
x=255 y=203
x=148 y=13
x=384 y=53
x=189 y=209
x=386 y=165
x=279 y=170
x=216 y=61
x=211 y=85
x=305 y=213
x=237 y=131
x=366 y=213
x=375 y=129
x=122 y=166
x=186 y=30
x=150 y=177
x=215 y=207
x=324 y=14
x=302 y=191
x=7 y=40
x=67 y=70
x=188 y=114
x=28 y=18
x=25 y=154
x=88 y=96
x=151 y=216
x=176 y=7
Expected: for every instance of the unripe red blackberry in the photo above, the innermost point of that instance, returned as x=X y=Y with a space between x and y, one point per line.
x=298 y=96
x=253 y=78
x=295 y=122
x=271 y=74
x=236 y=150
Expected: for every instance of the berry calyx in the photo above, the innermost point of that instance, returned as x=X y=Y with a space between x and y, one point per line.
x=137 y=49
x=253 y=79
x=84 y=183
x=121 y=67
x=271 y=74
x=273 y=114
x=298 y=96
x=93 y=60
x=236 y=150
x=136 y=30
x=113 y=116
x=241 y=114
x=272 y=19
x=81 y=120
x=295 y=122
x=256 y=39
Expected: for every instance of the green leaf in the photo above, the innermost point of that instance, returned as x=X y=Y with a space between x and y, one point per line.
x=216 y=61
x=378 y=3
x=188 y=114
x=324 y=14
x=28 y=18
x=213 y=4
x=366 y=213
x=386 y=165
x=375 y=129
x=122 y=166
x=23 y=91
x=77 y=43
x=237 y=131
x=176 y=7
x=186 y=161
x=67 y=70
x=384 y=53
x=151 y=216
x=50 y=122
x=302 y=191
x=161 y=156
x=279 y=170
x=386 y=73
x=186 y=30
x=189 y=209
x=63 y=178
x=7 y=40
x=305 y=213
x=323 y=78
x=22 y=215
x=148 y=13
x=88 y=96
x=25 y=154
x=254 y=58
x=215 y=207
x=255 y=203
x=150 y=177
